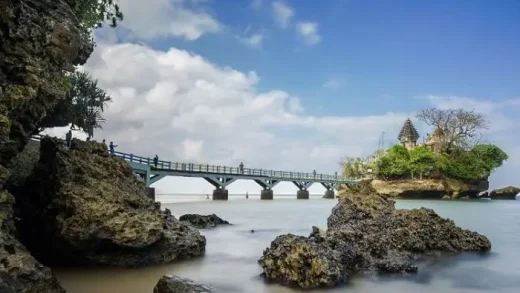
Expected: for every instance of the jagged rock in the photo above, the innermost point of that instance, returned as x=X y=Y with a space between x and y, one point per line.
x=203 y=221
x=19 y=271
x=508 y=192
x=175 y=284
x=365 y=234
x=84 y=206
x=39 y=39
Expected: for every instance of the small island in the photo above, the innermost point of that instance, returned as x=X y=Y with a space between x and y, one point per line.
x=450 y=163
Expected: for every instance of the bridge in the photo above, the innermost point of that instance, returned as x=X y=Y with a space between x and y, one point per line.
x=222 y=176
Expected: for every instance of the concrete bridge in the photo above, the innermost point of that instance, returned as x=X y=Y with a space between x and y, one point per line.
x=222 y=176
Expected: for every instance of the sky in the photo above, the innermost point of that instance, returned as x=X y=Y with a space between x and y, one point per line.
x=296 y=85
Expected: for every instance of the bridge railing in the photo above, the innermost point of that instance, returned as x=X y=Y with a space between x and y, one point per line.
x=206 y=168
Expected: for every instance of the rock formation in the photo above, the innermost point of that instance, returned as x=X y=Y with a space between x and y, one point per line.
x=175 y=284
x=509 y=192
x=39 y=39
x=365 y=234
x=84 y=207
x=429 y=188
x=203 y=221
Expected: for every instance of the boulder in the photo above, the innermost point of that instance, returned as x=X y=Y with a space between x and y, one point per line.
x=203 y=221
x=175 y=284
x=365 y=234
x=508 y=192
x=85 y=207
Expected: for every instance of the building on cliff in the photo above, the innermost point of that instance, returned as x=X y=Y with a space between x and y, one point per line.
x=408 y=135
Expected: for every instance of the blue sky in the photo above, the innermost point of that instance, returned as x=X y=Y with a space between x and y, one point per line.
x=295 y=85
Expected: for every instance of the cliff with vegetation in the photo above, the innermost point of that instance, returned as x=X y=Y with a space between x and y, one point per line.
x=450 y=164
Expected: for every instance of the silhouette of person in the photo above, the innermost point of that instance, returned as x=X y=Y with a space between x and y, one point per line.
x=155 y=161
x=241 y=168
x=112 y=147
x=68 y=138
x=247 y=194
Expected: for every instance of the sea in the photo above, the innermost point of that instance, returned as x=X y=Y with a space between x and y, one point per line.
x=230 y=264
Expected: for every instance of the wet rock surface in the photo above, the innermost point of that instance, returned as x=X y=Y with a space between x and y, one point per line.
x=85 y=207
x=39 y=39
x=175 y=284
x=509 y=192
x=203 y=221
x=365 y=234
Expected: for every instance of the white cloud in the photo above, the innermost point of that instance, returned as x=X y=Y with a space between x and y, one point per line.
x=282 y=13
x=254 y=40
x=163 y=18
x=308 y=31
x=333 y=83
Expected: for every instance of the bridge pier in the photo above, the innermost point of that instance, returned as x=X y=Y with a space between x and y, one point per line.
x=267 y=191
x=220 y=194
x=220 y=183
x=330 y=189
x=303 y=193
x=266 y=194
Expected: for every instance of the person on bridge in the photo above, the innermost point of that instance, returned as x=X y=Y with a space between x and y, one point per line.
x=155 y=161
x=314 y=173
x=112 y=147
x=68 y=138
x=241 y=168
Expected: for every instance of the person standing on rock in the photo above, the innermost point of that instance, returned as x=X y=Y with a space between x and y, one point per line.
x=155 y=161
x=112 y=147
x=68 y=138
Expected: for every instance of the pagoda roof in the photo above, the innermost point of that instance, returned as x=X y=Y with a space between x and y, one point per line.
x=408 y=131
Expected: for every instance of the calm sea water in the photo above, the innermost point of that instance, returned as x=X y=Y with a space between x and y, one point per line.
x=231 y=265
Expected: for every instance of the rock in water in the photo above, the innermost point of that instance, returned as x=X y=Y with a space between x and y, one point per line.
x=365 y=233
x=175 y=284
x=509 y=192
x=84 y=206
x=203 y=221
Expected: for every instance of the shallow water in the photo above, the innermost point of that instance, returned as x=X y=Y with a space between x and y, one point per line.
x=232 y=252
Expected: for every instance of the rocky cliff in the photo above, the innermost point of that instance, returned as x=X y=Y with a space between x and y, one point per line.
x=365 y=234
x=85 y=207
x=39 y=39
x=429 y=188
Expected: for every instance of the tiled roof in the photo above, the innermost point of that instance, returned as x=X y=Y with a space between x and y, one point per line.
x=408 y=132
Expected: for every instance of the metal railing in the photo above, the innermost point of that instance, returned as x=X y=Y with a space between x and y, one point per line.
x=206 y=168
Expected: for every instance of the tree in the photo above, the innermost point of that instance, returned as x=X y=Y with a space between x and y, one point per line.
x=489 y=156
x=82 y=107
x=354 y=167
x=92 y=13
x=422 y=160
x=454 y=128
x=395 y=164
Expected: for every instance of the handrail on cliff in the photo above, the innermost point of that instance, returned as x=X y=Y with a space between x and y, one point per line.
x=206 y=168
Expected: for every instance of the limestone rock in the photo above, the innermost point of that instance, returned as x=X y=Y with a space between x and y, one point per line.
x=84 y=206
x=508 y=192
x=175 y=284
x=19 y=271
x=429 y=188
x=203 y=221
x=365 y=234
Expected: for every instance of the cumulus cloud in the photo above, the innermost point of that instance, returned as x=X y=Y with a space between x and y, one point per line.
x=254 y=40
x=308 y=32
x=282 y=13
x=167 y=18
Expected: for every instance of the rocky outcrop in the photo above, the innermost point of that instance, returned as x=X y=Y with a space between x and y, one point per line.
x=203 y=221
x=85 y=207
x=39 y=39
x=365 y=234
x=509 y=192
x=175 y=284
x=429 y=188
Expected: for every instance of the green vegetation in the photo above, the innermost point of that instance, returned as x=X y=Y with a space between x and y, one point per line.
x=82 y=107
x=457 y=155
x=477 y=163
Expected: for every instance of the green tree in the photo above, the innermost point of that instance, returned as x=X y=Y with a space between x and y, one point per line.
x=422 y=160
x=489 y=156
x=82 y=107
x=354 y=167
x=395 y=164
